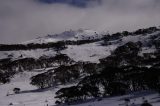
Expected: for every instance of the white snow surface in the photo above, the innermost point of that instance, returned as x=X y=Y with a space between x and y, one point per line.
x=29 y=95
x=27 y=53
x=89 y=52
x=136 y=99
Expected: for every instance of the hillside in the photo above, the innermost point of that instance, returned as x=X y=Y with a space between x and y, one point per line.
x=91 y=45
x=72 y=61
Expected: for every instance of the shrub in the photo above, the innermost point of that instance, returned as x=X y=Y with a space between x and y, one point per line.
x=16 y=90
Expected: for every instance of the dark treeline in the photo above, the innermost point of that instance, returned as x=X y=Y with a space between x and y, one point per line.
x=5 y=47
x=60 y=45
x=66 y=73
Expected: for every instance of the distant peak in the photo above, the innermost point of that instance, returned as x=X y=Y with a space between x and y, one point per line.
x=80 y=34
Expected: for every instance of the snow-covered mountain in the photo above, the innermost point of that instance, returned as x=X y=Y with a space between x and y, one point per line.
x=140 y=47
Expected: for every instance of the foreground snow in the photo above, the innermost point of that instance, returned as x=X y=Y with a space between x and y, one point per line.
x=136 y=99
x=30 y=96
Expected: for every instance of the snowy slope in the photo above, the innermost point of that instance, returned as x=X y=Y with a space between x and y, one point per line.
x=89 y=52
x=136 y=99
x=27 y=53
x=30 y=96
x=95 y=51
x=85 y=52
x=81 y=34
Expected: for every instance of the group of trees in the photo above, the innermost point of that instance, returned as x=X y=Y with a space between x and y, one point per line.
x=8 y=47
x=156 y=41
x=6 y=72
x=146 y=31
x=57 y=46
x=111 y=81
x=5 y=77
x=43 y=80
x=126 y=54
x=62 y=59
x=9 y=67
x=117 y=36
x=66 y=72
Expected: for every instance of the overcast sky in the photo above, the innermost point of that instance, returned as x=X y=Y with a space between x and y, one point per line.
x=22 y=20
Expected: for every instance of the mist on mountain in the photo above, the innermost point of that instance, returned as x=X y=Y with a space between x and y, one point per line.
x=22 y=20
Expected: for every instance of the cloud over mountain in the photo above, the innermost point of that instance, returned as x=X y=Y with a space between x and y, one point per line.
x=21 y=20
x=77 y=3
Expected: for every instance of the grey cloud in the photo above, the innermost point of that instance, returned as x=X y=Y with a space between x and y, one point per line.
x=22 y=20
x=76 y=3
